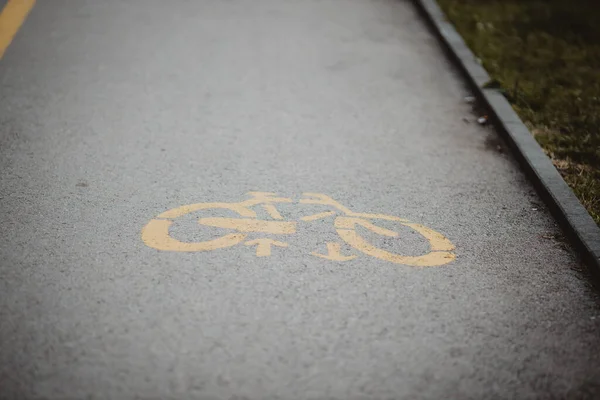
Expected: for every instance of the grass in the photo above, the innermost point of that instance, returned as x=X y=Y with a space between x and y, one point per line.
x=545 y=55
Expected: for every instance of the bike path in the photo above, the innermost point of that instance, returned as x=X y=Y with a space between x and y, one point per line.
x=136 y=138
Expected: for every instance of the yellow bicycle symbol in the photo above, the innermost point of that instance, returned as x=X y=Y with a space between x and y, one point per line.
x=156 y=233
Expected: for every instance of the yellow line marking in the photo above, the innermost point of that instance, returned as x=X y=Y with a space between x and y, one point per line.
x=325 y=200
x=377 y=216
x=270 y=208
x=318 y=216
x=263 y=246
x=251 y=225
x=349 y=222
x=183 y=210
x=11 y=18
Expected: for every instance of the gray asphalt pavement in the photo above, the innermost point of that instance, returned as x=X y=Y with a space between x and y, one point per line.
x=114 y=112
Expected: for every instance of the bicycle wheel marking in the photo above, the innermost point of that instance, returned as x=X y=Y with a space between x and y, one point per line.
x=156 y=233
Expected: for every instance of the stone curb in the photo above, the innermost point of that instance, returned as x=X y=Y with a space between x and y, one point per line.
x=562 y=202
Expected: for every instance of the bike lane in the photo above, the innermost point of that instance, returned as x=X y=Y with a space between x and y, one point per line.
x=406 y=255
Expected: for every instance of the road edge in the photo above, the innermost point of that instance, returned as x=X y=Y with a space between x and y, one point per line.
x=573 y=218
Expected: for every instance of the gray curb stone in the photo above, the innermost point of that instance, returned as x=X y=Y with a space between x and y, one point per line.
x=564 y=205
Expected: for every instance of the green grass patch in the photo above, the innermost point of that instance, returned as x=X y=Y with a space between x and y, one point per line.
x=545 y=55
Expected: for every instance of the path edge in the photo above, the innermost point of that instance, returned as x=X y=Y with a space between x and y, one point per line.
x=573 y=218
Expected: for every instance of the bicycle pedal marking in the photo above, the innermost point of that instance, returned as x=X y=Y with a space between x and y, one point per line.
x=263 y=246
x=156 y=233
x=334 y=253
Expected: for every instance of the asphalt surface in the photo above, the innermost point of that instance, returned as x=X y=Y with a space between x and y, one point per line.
x=114 y=112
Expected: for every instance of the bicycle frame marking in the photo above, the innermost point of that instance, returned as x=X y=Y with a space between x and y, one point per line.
x=156 y=233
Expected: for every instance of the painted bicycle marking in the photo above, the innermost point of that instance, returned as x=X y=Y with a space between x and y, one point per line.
x=156 y=233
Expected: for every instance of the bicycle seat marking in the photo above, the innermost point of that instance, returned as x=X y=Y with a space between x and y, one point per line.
x=156 y=233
